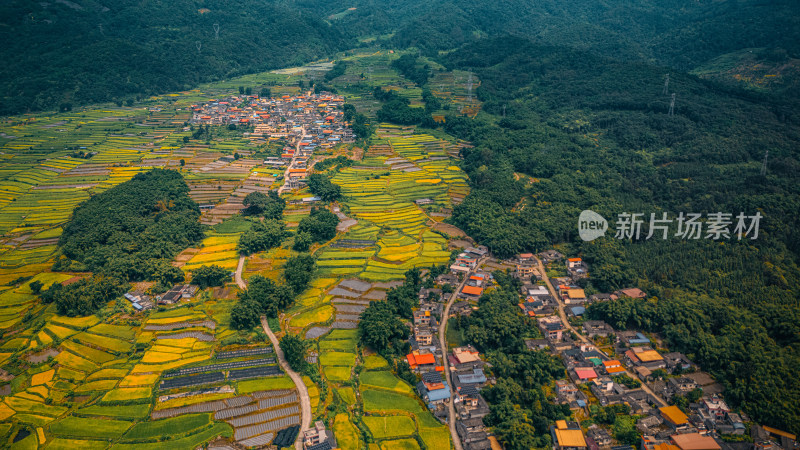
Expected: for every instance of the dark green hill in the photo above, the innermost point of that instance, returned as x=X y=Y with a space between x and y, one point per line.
x=679 y=33
x=86 y=51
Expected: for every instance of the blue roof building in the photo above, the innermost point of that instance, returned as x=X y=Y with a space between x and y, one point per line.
x=434 y=396
x=476 y=377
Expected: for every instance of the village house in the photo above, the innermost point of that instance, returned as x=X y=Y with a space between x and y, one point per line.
x=678 y=362
x=599 y=298
x=422 y=318
x=474 y=377
x=632 y=338
x=649 y=424
x=423 y=336
x=714 y=407
x=674 y=417
x=694 y=441
x=177 y=293
x=447 y=279
x=549 y=256
x=567 y=436
x=613 y=367
x=526 y=269
x=430 y=295
x=679 y=386
x=551 y=327
x=433 y=389
x=599 y=436
x=572 y=296
x=595 y=328
x=139 y=300
x=583 y=374
x=315 y=436
x=630 y=292
x=645 y=357
x=421 y=361
x=469 y=404
x=577 y=268
x=464 y=358
x=537 y=344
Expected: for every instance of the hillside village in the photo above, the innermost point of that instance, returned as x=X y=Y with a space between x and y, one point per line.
x=605 y=367
x=306 y=122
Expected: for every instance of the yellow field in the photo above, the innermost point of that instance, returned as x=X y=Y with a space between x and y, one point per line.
x=169 y=320
x=77 y=322
x=139 y=380
x=5 y=411
x=159 y=357
x=43 y=377
x=107 y=373
x=99 y=385
x=127 y=394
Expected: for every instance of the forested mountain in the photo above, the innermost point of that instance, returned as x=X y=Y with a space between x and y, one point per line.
x=72 y=52
x=680 y=33
x=83 y=51
x=584 y=132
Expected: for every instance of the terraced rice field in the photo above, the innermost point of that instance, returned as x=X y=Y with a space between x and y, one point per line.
x=92 y=382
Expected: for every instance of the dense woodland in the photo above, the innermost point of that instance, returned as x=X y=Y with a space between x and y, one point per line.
x=134 y=230
x=76 y=52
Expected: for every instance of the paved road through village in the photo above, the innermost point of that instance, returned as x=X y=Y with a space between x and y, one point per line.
x=583 y=338
x=451 y=413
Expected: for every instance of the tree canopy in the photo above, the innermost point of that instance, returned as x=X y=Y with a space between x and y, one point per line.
x=263 y=235
x=209 y=276
x=320 y=225
x=135 y=229
x=269 y=206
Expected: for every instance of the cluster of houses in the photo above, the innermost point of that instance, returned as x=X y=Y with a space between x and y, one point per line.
x=142 y=302
x=305 y=122
x=618 y=381
x=464 y=363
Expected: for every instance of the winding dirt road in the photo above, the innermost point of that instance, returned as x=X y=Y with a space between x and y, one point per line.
x=305 y=400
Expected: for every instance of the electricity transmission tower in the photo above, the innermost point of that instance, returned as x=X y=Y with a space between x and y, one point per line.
x=666 y=86
x=672 y=105
x=764 y=166
x=199 y=45
x=469 y=88
x=216 y=31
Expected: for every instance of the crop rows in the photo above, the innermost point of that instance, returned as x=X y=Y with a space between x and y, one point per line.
x=223 y=366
